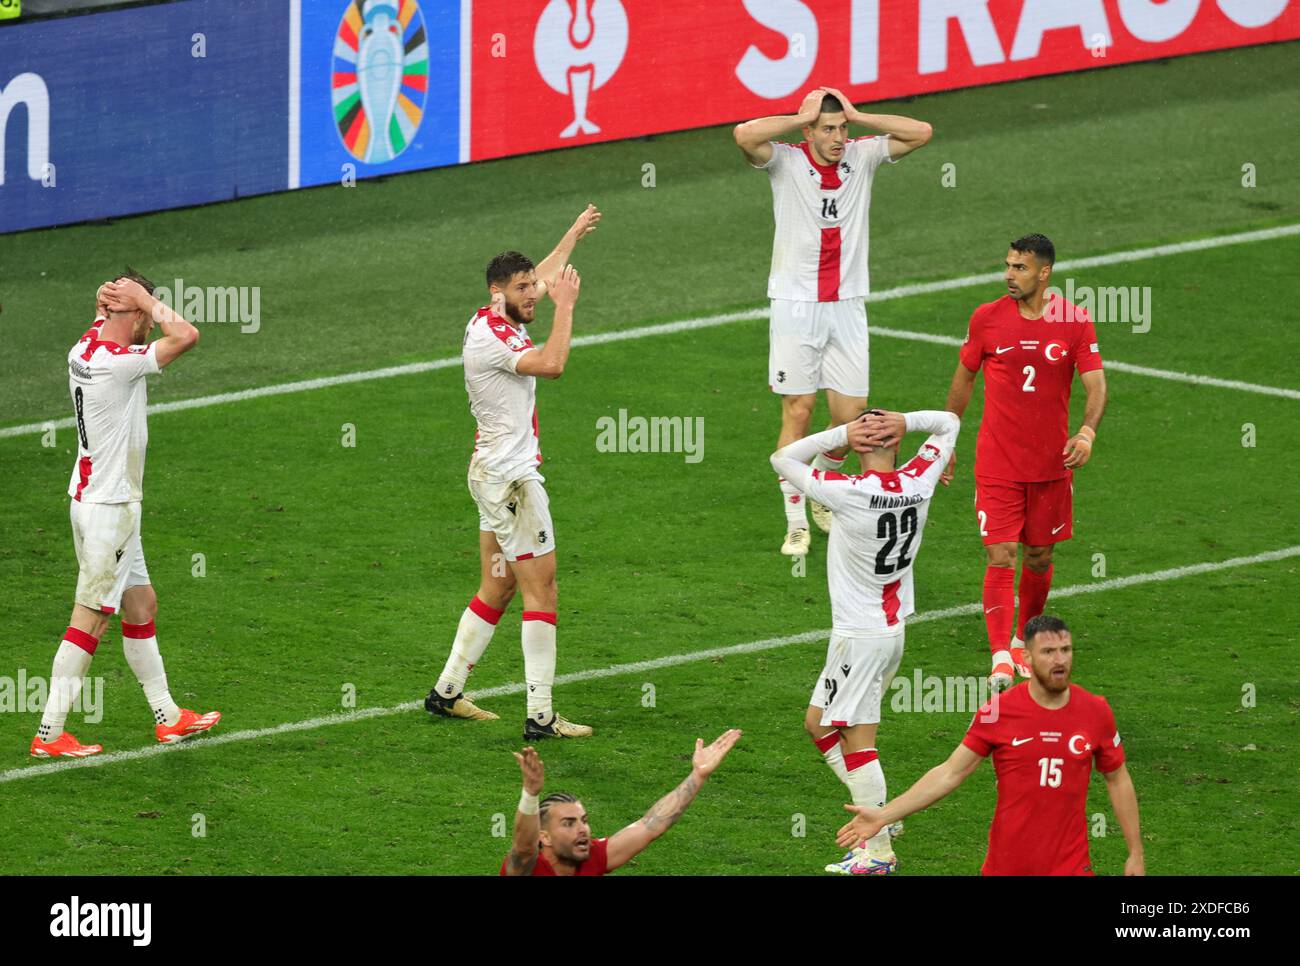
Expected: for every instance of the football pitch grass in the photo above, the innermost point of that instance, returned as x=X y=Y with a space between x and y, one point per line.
x=334 y=570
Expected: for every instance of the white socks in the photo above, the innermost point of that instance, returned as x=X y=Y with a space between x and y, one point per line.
x=867 y=783
x=473 y=635
x=539 y=662
x=140 y=645
x=795 y=516
x=833 y=754
x=71 y=662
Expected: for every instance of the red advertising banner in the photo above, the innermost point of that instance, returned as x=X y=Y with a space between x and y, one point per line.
x=556 y=73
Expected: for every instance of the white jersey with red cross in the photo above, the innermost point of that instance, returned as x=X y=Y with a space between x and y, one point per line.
x=819 y=249
x=109 y=400
x=506 y=445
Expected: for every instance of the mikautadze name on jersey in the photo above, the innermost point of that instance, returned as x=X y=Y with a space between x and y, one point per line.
x=882 y=502
x=102 y=919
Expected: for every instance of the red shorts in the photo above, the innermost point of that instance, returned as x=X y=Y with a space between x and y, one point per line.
x=1035 y=514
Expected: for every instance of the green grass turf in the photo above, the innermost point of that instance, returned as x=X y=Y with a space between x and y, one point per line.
x=330 y=567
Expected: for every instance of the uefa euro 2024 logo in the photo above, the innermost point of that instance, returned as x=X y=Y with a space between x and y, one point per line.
x=380 y=77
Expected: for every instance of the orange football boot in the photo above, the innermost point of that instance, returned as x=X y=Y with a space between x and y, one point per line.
x=190 y=723
x=64 y=746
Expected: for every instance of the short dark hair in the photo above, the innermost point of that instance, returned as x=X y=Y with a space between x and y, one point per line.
x=506 y=266
x=831 y=105
x=135 y=276
x=555 y=798
x=1043 y=624
x=1036 y=244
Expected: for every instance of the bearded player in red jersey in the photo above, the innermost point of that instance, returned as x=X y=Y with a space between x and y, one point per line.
x=552 y=836
x=1044 y=737
x=1029 y=346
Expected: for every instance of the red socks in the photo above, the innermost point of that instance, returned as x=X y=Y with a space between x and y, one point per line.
x=1033 y=596
x=999 y=606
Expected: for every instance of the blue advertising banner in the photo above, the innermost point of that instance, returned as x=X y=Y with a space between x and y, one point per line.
x=135 y=110
x=380 y=87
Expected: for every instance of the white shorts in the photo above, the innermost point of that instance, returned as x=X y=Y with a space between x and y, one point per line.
x=519 y=513
x=818 y=345
x=857 y=674
x=111 y=560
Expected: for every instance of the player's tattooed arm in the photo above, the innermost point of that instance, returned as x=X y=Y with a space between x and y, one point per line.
x=629 y=842
x=669 y=809
x=523 y=848
x=521 y=865
x=550 y=266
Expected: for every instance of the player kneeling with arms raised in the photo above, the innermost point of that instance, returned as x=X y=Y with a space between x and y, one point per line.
x=106 y=379
x=1044 y=736
x=879 y=516
x=552 y=836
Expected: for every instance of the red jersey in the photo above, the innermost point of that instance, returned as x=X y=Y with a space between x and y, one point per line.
x=1028 y=367
x=595 y=864
x=1043 y=760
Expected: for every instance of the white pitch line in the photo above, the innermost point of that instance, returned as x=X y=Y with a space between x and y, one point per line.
x=748 y=315
x=617 y=670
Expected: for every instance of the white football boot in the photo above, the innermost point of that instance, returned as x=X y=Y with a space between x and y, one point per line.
x=797 y=543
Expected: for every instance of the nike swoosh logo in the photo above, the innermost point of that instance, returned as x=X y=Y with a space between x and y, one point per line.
x=1001 y=350
x=1057 y=529
x=992 y=609
x=1019 y=741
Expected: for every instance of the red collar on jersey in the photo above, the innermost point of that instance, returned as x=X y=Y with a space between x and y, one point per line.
x=888 y=479
x=491 y=316
x=94 y=341
x=830 y=172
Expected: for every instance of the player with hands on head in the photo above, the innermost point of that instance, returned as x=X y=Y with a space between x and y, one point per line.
x=821 y=198
x=880 y=516
x=552 y=835
x=106 y=379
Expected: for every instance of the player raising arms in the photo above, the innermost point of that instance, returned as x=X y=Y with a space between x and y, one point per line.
x=1029 y=347
x=879 y=517
x=552 y=836
x=106 y=377
x=821 y=195
x=516 y=536
x=1044 y=737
